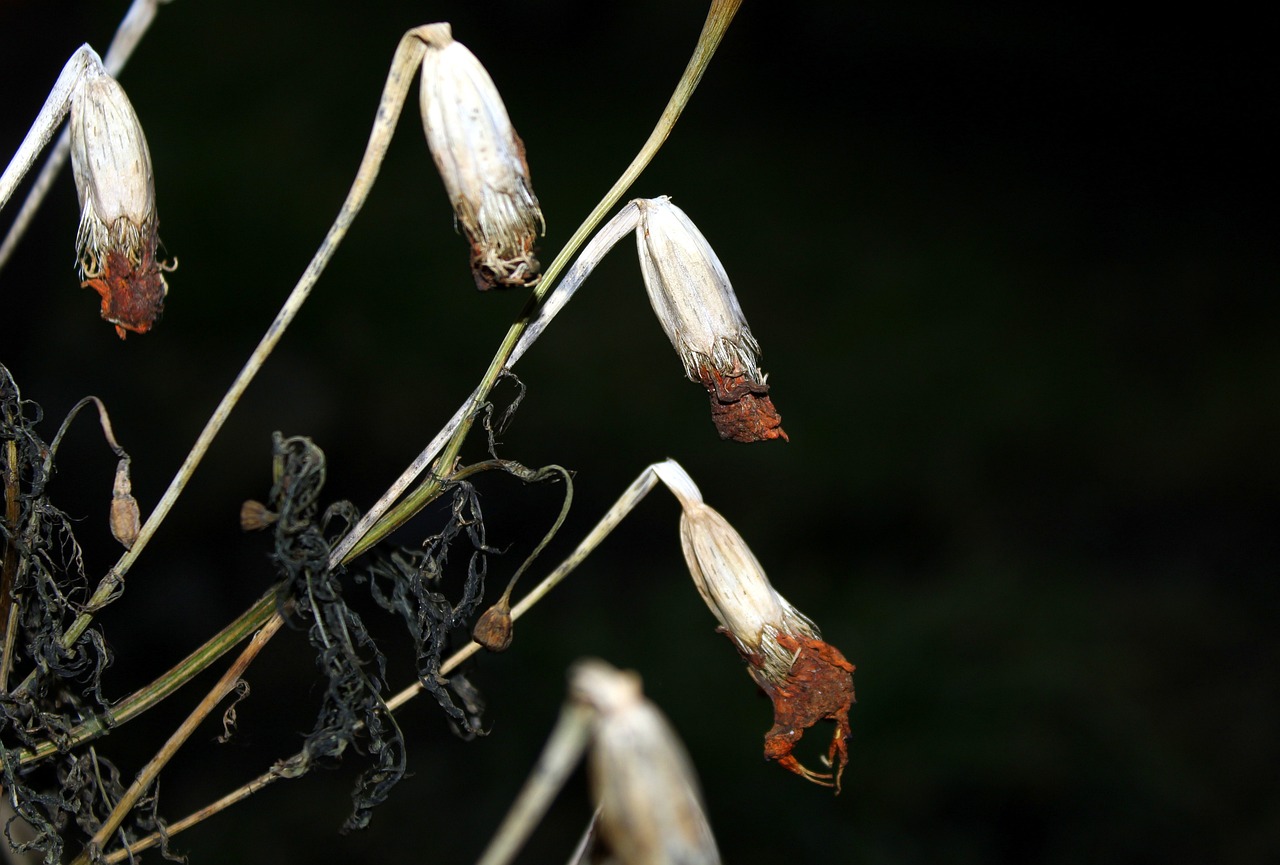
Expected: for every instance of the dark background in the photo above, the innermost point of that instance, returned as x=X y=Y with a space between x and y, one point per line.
x=1013 y=270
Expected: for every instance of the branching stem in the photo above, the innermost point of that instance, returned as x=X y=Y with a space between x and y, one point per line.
x=638 y=489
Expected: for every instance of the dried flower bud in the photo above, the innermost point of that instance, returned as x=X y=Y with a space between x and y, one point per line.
x=481 y=160
x=116 y=243
x=807 y=679
x=650 y=808
x=126 y=521
x=696 y=306
x=255 y=516
x=494 y=629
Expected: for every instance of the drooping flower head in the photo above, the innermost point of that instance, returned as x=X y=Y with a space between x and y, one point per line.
x=696 y=306
x=807 y=679
x=481 y=161
x=117 y=240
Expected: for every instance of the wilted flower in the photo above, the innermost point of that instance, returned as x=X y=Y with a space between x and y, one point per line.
x=650 y=811
x=807 y=679
x=481 y=160
x=116 y=242
x=695 y=303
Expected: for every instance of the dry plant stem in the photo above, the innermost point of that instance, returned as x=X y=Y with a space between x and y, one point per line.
x=638 y=489
x=623 y=506
x=372 y=526
x=149 y=772
x=561 y=753
x=152 y=840
x=403 y=65
x=9 y=564
x=144 y=698
x=379 y=522
x=132 y=28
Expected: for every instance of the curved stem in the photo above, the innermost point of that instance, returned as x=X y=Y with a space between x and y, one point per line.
x=148 y=696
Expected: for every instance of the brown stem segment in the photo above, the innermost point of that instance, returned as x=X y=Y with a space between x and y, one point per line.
x=149 y=772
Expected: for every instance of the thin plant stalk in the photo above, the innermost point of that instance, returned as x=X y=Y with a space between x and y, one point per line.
x=376 y=525
x=564 y=747
x=132 y=28
x=143 y=781
x=9 y=565
x=150 y=695
x=630 y=497
x=371 y=524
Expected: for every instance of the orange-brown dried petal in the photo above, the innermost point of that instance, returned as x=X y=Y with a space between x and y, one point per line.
x=132 y=295
x=818 y=687
x=741 y=408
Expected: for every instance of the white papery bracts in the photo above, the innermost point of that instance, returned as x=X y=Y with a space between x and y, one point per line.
x=807 y=679
x=481 y=161
x=650 y=810
x=696 y=306
x=117 y=239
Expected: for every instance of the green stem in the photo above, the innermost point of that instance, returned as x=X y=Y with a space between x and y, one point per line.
x=144 y=698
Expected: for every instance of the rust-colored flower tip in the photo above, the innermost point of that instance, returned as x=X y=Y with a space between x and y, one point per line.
x=481 y=161
x=696 y=306
x=494 y=629
x=650 y=810
x=807 y=679
x=117 y=240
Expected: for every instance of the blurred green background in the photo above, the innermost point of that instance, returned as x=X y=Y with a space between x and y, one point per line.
x=1014 y=274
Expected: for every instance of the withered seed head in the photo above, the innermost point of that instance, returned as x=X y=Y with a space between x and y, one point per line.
x=494 y=628
x=696 y=306
x=255 y=516
x=116 y=242
x=125 y=519
x=641 y=778
x=481 y=160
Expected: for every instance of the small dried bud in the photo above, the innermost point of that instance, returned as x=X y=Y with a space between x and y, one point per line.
x=494 y=630
x=255 y=516
x=481 y=160
x=116 y=242
x=807 y=679
x=126 y=521
x=695 y=304
x=650 y=808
